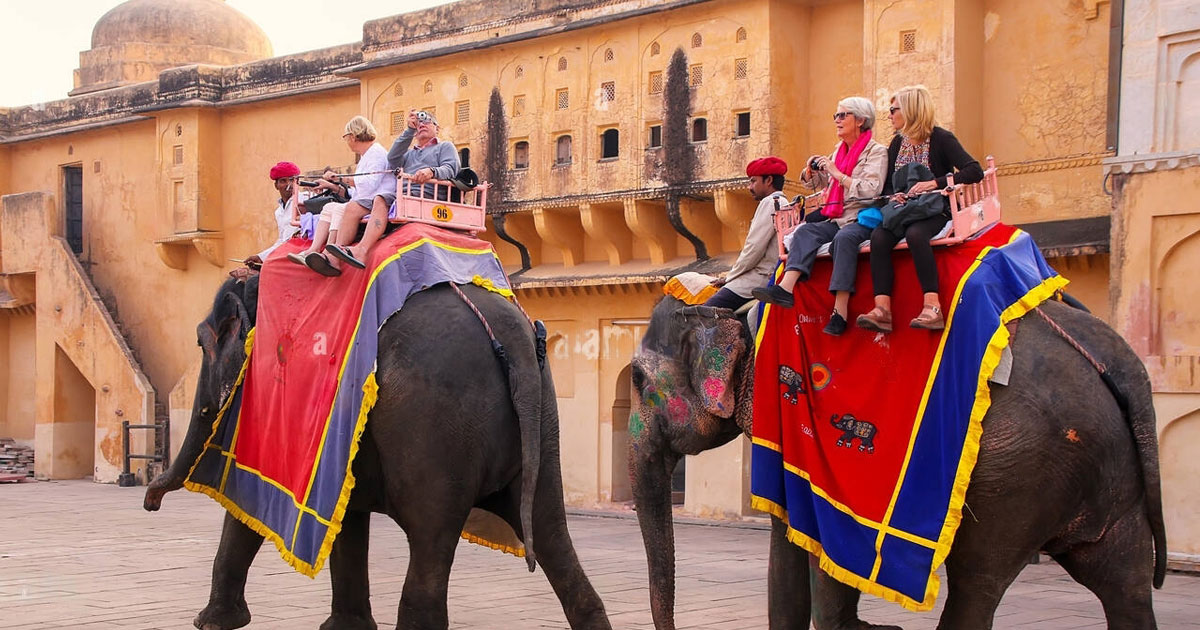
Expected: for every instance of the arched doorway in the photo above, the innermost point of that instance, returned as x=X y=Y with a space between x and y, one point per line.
x=621 y=490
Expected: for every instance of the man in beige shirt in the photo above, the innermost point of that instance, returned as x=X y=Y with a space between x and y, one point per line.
x=758 y=259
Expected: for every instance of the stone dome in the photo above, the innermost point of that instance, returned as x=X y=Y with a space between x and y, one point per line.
x=181 y=23
x=140 y=38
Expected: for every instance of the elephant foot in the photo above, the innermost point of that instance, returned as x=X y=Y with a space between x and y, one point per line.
x=161 y=485
x=215 y=617
x=348 y=622
x=862 y=625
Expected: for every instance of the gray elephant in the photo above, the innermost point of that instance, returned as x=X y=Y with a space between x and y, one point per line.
x=1065 y=466
x=854 y=428
x=443 y=438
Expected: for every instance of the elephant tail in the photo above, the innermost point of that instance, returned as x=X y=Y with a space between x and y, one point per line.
x=527 y=401
x=526 y=398
x=1138 y=406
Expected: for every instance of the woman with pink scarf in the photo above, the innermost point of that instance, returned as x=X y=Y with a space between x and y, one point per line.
x=853 y=176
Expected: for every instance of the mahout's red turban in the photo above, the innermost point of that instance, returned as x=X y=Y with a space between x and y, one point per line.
x=770 y=165
x=284 y=169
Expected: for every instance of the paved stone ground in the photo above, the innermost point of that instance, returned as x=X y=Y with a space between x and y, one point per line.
x=85 y=556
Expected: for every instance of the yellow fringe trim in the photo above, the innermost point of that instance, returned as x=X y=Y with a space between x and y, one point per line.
x=483 y=542
x=490 y=285
x=966 y=465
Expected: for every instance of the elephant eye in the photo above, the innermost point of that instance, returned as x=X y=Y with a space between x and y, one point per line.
x=639 y=378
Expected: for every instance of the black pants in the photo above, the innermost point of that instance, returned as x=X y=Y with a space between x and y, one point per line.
x=918 y=236
x=726 y=299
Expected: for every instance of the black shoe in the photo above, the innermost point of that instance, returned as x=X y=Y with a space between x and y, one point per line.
x=836 y=325
x=773 y=294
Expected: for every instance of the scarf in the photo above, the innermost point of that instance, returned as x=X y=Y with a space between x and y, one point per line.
x=845 y=159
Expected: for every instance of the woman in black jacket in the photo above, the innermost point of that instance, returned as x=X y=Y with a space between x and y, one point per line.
x=917 y=140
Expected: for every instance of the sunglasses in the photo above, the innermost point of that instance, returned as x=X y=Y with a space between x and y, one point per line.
x=893 y=110
x=841 y=115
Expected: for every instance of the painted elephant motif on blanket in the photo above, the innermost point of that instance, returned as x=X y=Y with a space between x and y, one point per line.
x=854 y=428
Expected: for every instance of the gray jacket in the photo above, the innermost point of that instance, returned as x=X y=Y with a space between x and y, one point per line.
x=439 y=156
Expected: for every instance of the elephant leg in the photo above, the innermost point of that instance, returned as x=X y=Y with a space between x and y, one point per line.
x=432 y=540
x=789 y=599
x=835 y=605
x=977 y=574
x=1119 y=569
x=556 y=555
x=227 y=607
x=351 y=608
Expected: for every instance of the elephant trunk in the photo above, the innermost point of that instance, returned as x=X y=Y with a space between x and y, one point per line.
x=172 y=478
x=650 y=474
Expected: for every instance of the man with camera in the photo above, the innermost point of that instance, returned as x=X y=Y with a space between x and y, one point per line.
x=757 y=260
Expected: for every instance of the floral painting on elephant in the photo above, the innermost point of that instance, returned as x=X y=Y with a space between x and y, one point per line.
x=864 y=443
x=280 y=454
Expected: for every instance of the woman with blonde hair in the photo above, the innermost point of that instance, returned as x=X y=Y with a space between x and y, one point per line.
x=375 y=182
x=918 y=140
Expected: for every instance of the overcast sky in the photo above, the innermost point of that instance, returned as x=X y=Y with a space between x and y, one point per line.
x=43 y=38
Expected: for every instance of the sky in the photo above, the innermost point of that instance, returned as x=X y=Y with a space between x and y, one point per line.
x=43 y=38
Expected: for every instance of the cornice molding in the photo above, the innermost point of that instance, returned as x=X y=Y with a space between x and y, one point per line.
x=1052 y=164
x=1149 y=162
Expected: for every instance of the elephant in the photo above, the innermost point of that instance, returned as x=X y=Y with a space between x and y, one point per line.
x=450 y=432
x=1066 y=466
x=855 y=428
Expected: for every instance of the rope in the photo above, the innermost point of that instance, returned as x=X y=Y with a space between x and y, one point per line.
x=1071 y=340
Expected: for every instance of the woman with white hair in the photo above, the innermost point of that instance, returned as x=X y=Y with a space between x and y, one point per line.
x=918 y=140
x=375 y=182
x=852 y=177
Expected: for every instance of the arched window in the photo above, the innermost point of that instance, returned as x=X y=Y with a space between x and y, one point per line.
x=654 y=49
x=741 y=35
x=608 y=55
x=521 y=155
x=462 y=80
x=700 y=130
x=520 y=71
x=562 y=152
x=428 y=86
x=610 y=144
x=464 y=157
x=697 y=41
x=562 y=64
x=398 y=90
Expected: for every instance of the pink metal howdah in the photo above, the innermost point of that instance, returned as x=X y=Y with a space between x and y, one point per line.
x=973 y=209
x=413 y=206
x=468 y=214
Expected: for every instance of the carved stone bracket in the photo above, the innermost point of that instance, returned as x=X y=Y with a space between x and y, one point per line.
x=649 y=223
x=1091 y=8
x=172 y=250
x=562 y=230
x=21 y=289
x=606 y=224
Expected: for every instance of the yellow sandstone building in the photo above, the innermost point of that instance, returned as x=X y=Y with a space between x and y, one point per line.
x=125 y=201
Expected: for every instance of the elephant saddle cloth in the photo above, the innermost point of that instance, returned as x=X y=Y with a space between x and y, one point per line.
x=280 y=454
x=864 y=442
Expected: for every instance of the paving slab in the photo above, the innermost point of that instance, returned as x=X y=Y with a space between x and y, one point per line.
x=86 y=556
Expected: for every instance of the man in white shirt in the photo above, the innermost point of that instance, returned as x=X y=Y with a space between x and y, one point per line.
x=759 y=255
x=284 y=174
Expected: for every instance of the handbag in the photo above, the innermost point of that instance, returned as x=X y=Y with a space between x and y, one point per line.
x=316 y=203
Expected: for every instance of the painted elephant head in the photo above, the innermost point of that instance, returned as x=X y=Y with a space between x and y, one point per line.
x=222 y=339
x=691 y=376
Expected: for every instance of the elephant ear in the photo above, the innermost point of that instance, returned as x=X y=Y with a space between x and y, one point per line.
x=715 y=348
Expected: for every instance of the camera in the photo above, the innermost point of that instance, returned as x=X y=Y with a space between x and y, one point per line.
x=424 y=117
x=814 y=165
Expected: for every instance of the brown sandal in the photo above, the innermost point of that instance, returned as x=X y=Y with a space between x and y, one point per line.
x=929 y=319
x=878 y=320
